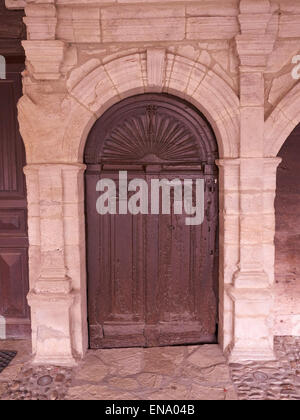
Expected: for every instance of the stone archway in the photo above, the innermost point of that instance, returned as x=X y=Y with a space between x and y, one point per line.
x=96 y=87
x=58 y=261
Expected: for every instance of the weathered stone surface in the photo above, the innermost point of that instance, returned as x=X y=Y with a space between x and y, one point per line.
x=208 y=8
x=148 y=23
x=289 y=26
x=280 y=86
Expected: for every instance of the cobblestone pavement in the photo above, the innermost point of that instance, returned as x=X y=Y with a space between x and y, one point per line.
x=169 y=373
x=278 y=380
x=21 y=381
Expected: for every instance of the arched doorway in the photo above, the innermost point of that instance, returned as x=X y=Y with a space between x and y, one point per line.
x=14 y=310
x=152 y=279
x=287 y=238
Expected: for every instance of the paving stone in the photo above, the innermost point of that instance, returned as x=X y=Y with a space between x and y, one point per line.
x=216 y=374
x=124 y=383
x=173 y=391
x=204 y=356
x=150 y=380
x=123 y=362
x=163 y=360
x=207 y=393
x=192 y=372
x=93 y=370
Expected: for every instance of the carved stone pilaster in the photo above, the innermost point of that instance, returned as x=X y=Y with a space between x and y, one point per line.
x=56 y=235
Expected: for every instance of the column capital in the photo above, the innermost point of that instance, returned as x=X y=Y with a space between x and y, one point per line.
x=58 y=166
x=45 y=58
x=275 y=161
x=254 y=50
x=257 y=38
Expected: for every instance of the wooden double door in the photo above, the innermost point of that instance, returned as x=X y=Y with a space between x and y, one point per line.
x=152 y=278
x=14 y=311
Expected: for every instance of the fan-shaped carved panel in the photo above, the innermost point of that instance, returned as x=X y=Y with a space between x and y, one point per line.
x=151 y=136
x=150 y=128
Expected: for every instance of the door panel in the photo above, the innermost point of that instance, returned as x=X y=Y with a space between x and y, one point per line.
x=152 y=280
x=13 y=211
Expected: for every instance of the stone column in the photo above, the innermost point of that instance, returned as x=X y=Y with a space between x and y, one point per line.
x=56 y=235
x=251 y=291
x=229 y=173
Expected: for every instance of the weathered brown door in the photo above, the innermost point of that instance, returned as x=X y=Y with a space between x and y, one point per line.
x=152 y=280
x=14 y=311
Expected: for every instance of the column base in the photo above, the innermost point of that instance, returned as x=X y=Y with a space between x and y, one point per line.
x=66 y=361
x=52 y=328
x=253 y=325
